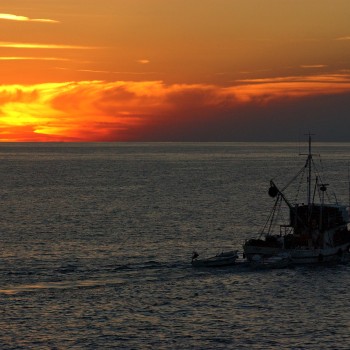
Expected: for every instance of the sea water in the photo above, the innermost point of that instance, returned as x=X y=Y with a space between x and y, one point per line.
x=96 y=243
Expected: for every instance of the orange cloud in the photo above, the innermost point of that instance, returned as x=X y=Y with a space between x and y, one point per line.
x=144 y=61
x=26 y=58
x=16 y=45
x=313 y=66
x=11 y=17
x=122 y=111
x=343 y=38
x=266 y=90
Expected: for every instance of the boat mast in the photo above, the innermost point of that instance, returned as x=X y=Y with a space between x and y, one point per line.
x=309 y=178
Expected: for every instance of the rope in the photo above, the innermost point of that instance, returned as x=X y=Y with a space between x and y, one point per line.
x=299 y=185
x=271 y=216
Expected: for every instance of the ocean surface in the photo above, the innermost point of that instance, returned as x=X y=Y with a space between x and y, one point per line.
x=96 y=242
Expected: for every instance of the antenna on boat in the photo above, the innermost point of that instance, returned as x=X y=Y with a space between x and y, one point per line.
x=309 y=162
x=309 y=166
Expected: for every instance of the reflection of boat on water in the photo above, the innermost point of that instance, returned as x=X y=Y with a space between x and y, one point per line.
x=278 y=261
x=316 y=232
x=221 y=259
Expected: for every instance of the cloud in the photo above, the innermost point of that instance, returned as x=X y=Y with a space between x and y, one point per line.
x=343 y=38
x=255 y=109
x=313 y=66
x=343 y=77
x=11 y=17
x=94 y=71
x=144 y=61
x=16 y=45
x=26 y=58
x=265 y=90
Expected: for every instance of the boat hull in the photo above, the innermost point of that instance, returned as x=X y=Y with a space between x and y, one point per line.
x=223 y=259
x=300 y=256
x=279 y=261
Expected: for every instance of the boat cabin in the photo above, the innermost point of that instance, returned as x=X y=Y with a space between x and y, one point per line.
x=320 y=216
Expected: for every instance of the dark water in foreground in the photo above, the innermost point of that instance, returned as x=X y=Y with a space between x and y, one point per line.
x=96 y=241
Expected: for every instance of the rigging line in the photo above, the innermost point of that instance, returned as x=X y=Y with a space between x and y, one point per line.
x=280 y=212
x=299 y=186
x=317 y=171
x=320 y=193
x=302 y=170
x=277 y=205
x=323 y=181
x=318 y=174
x=315 y=190
x=270 y=217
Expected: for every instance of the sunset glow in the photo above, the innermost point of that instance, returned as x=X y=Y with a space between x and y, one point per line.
x=172 y=71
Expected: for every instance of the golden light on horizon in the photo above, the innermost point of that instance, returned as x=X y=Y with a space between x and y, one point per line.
x=102 y=111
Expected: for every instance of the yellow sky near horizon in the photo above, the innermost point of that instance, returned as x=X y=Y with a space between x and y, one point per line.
x=250 y=47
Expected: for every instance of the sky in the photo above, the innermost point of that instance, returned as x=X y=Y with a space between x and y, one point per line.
x=174 y=70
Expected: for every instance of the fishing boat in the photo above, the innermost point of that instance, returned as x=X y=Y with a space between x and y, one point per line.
x=317 y=231
x=220 y=259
